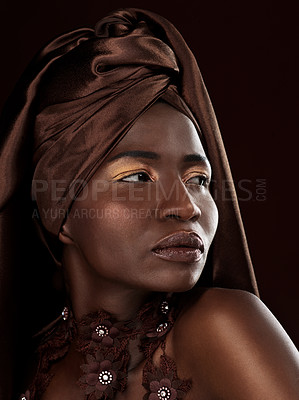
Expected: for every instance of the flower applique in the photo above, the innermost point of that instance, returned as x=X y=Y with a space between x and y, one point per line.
x=102 y=376
x=104 y=333
x=159 y=331
x=25 y=396
x=163 y=325
x=163 y=383
x=96 y=330
x=164 y=387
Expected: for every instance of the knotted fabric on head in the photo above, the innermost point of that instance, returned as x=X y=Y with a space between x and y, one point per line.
x=75 y=102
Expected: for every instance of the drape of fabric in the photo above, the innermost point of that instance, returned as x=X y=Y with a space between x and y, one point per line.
x=74 y=103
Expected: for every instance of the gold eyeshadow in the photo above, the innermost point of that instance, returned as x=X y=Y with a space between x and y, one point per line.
x=194 y=171
x=121 y=168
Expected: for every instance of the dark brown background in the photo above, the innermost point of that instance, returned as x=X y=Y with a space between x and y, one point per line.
x=246 y=52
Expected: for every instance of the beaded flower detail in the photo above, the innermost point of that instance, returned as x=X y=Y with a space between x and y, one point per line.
x=161 y=386
x=65 y=313
x=162 y=390
x=164 y=307
x=25 y=396
x=104 y=332
x=159 y=331
x=96 y=330
x=102 y=376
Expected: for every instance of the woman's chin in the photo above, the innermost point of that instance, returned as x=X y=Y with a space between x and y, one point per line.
x=182 y=284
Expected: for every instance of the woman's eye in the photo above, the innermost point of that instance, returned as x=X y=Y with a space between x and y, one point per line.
x=200 y=180
x=138 y=177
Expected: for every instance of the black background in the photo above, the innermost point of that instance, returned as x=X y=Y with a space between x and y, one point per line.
x=246 y=52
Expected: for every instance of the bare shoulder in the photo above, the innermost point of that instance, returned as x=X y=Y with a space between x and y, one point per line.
x=230 y=312
x=218 y=305
x=234 y=347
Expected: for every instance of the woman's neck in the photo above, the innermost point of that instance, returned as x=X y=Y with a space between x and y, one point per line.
x=88 y=293
x=123 y=304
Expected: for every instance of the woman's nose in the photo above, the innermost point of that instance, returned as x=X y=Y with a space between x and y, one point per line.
x=176 y=202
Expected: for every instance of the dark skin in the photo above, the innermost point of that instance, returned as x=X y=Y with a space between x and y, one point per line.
x=142 y=200
x=236 y=349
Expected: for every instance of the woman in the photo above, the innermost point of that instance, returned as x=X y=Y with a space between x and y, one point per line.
x=123 y=140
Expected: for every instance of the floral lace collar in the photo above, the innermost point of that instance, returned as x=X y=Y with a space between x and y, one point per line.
x=104 y=343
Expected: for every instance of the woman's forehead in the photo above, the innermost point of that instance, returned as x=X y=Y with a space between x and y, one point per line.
x=161 y=128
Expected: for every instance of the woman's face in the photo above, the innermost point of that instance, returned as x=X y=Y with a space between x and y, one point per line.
x=153 y=184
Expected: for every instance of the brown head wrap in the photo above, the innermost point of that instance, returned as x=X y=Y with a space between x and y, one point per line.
x=112 y=74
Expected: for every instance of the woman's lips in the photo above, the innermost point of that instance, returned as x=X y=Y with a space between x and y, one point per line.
x=180 y=254
x=180 y=246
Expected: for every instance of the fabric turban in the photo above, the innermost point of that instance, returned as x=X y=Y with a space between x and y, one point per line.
x=106 y=78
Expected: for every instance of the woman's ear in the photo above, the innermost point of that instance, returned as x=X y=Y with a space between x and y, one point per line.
x=65 y=236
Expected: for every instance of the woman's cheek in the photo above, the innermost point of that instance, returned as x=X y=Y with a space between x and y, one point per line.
x=212 y=217
x=121 y=215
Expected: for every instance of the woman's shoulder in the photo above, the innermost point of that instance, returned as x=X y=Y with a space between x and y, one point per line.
x=235 y=348
x=215 y=305
x=226 y=311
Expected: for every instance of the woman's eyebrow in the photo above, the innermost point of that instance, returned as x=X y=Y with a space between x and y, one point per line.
x=196 y=158
x=154 y=156
x=137 y=154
